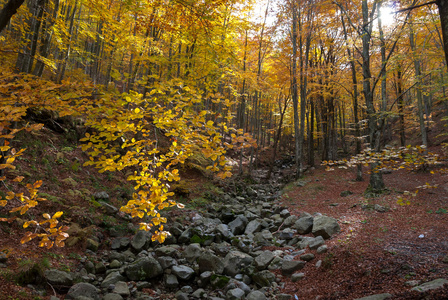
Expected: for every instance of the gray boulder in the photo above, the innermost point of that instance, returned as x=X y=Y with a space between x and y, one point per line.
x=289 y=267
x=235 y=261
x=143 y=269
x=253 y=227
x=112 y=278
x=325 y=226
x=83 y=290
x=111 y=296
x=235 y=294
x=139 y=240
x=263 y=278
x=183 y=272
x=304 y=224
x=192 y=252
x=376 y=297
x=263 y=260
x=431 y=285
x=256 y=295
x=238 y=225
x=59 y=278
x=122 y=289
x=210 y=262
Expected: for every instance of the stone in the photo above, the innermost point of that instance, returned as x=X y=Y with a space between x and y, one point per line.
x=115 y=264
x=59 y=278
x=289 y=267
x=199 y=293
x=120 y=243
x=235 y=294
x=83 y=290
x=307 y=257
x=346 y=193
x=297 y=276
x=168 y=251
x=192 y=252
x=101 y=196
x=376 y=297
x=253 y=227
x=112 y=278
x=305 y=242
x=143 y=269
x=256 y=295
x=304 y=224
x=284 y=297
x=322 y=249
x=263 y=260
x=444 y=260
x=100 y=268
x=185 y=237
x=139 y=240
x=380 y=208
x=166 y=262
x=286 y=234
x=171 y=281
x=92 y=245
x=316 y=242
x=181 y=296
x=431 y=285
x=224 y=231
x=183 y=272
x=238 y=225
x=235 y=261
x=290 y=221
x=263 y=278
x=108 y=208
x=122 y=289
x=112 y=296
x=210 y=262
x=325 y=226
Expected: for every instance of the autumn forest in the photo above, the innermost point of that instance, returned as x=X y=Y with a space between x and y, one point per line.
x=154 y=83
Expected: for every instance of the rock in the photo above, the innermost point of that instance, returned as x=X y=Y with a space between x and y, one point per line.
x=143 y=269
x=304 y=224
x=115 y=264
x=297 y=276
x=256 y=295
x=210 y=262
x=112 y=278
x=199 y=293
x=120 y=243
x=238 y=225
x=168 y=251
x=139 y=240
x=325 y=226
x=290 y=221
x=235 y=294
x=224 y=231
x=376 y=297
x=235 y=261
x=263 y=260
x=192 y=252
x=122 y=289
x=171 y=281
x=166 y=262
x=431 y=285
x=412 y=283
x=284 y=297
x=286 y=234
x=181 y=296
x=185 y=237
x=112 y=296
x=253 y=227
x=289 y=267
x=263 y=278
x=305 y=242
x=307 y=257
x=83 y=290
x=322 y=249
x=183 y=272
x=101 y=196
x=59 y=278
x=100 y=268
x=109 y=209
x=316 y=242
x=92 y=245
x=444 y=260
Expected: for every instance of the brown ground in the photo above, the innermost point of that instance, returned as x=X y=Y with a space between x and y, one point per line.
x=375 y=252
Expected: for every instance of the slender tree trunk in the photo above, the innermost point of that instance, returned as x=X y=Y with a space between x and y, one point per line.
x=8 y=11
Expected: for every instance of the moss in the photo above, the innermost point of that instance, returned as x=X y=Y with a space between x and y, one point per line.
x=219 y=281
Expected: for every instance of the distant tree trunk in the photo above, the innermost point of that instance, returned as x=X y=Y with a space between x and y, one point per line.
x=401 y=105
x=294 y=90
x=418 y=75
x=8 y=11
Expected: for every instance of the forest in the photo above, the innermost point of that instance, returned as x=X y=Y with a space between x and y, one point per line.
x=148 y=90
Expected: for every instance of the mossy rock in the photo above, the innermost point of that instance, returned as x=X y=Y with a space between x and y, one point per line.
x=219 y=281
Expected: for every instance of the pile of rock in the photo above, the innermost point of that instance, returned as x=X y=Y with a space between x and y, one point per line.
x=221 y=254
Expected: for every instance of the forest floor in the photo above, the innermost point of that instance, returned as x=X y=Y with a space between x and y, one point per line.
x=376 y=252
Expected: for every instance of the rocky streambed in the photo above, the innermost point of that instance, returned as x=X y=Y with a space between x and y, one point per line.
x=242 y=247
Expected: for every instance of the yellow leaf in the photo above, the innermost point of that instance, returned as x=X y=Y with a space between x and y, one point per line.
x=46 y=216
x=58 y=214
x=18 y=179
x=3 y=202
x=137 y=110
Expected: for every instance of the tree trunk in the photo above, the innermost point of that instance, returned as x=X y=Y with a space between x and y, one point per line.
x=8 y=11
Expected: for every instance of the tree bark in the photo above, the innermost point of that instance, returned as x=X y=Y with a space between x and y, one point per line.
x=9 y=10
